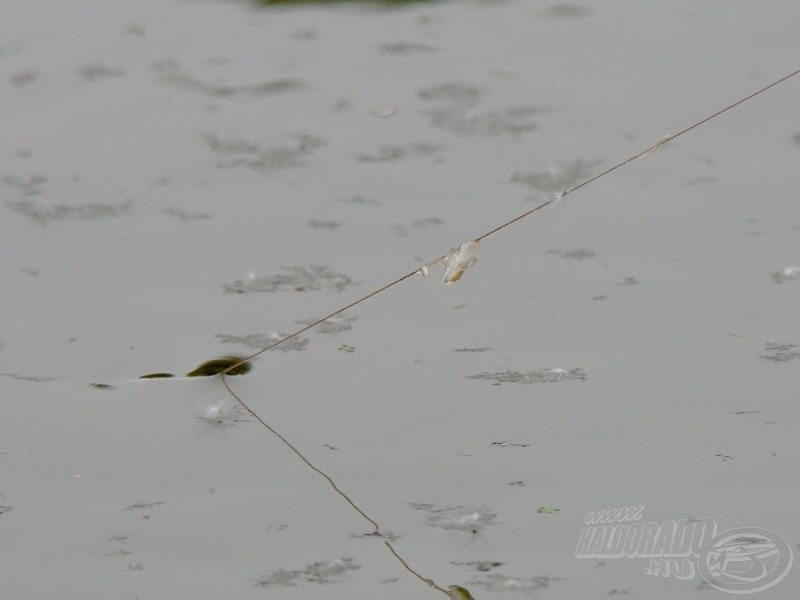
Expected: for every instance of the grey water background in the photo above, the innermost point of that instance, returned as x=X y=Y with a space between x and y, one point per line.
x=182 y=180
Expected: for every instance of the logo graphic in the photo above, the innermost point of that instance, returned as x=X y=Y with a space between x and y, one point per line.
x=740 y=561
x=746 y=560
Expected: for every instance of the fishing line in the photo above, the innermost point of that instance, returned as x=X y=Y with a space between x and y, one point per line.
x=461 y=257
x=662 y=142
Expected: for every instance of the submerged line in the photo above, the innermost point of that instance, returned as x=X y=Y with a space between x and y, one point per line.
x=336 y=488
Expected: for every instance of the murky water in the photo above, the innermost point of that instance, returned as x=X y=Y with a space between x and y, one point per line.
x=188 y=180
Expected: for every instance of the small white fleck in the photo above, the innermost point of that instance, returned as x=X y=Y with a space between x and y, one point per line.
x=386 y=111
x=787 y=274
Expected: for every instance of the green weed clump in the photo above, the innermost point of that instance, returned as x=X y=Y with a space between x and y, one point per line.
x=219 y=365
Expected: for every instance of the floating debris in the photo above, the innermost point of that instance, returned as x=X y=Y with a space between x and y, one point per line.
x=461 y=116
x=305 y=34
x=558 y=176
x=547 y=510
x=157 y=376
x=143 y=505
x=495 y=582
x=459 y=93
x=28 y=186
x=387 y=535
x=406 y=48
x=61 y=212
x=118 y=538
x=779 y=352
x=317 y=224
x=311 y=278
x=258 y=341
x=458 y=261
x=393 y=153
x=226 y=91
x=513 y=121
x=332 y=325
x=36 y=379
x=325 y=571
x=184 y=216
x=218 y=365
x=320 y=572
x=508 y=444
x=701 y=180
x=224 y=413
x=230 y=146
x=543 y=376
x=484 y=566
x=455 y=263
x=461 y=518
x=480 y=349
x=579 y=254
x=627 y=282
x=360 y=200
x=786 y=274
x=96 y=72
x=280 y=577
x=428 y=223
x=23 y=77
x=384 y=112
x=238 y=152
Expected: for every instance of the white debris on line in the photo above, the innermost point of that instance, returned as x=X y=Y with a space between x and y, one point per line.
x=458 y=260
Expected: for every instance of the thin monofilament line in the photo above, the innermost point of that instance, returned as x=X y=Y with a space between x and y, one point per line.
x=382 y=289
x=662 y=142
x=336 y=488
x=318 y=321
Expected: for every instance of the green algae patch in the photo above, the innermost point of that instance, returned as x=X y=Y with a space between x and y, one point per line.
x=157 y=376
x=547 y=510
x=218 y=365
x=459 y=593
